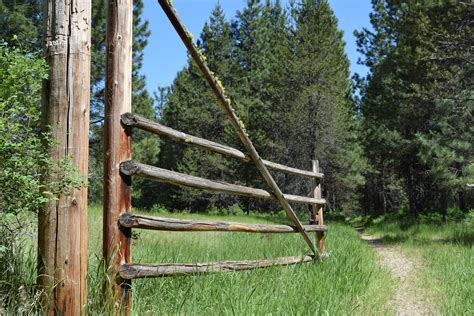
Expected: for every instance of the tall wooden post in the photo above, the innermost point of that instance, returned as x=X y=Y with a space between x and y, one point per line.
x=318 y=209
x=117 y=146
x=62 y=224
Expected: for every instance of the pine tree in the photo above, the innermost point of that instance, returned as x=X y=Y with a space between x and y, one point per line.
x=262 y=38
x=272 y=72
x=321 y=111
x=403 y=105
x=448 y=148
x=192 y=108
x=21 y=24
x=261 y=34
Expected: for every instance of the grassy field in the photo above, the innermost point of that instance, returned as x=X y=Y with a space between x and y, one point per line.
x=447 y=255
x=349 y=282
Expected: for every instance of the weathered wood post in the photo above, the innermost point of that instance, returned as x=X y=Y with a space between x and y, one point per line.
x=117 y=147
x=318 y=209
x=62 y=224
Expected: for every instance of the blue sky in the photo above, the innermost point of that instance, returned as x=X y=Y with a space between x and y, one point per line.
x=165 y=54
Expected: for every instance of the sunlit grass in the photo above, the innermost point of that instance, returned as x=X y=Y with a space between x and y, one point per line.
x=447 y=252
x=350 y=281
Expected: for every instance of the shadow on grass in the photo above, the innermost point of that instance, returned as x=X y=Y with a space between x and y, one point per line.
x=467 y=239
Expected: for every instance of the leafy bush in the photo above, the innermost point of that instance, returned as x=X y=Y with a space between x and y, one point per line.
x=159 y=208
x=21 y=157
x=24 y=165
x=456 y=215
x=21 y=152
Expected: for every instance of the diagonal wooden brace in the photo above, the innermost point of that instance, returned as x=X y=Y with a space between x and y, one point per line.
x=239 y=127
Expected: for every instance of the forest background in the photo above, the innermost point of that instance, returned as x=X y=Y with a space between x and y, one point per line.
x=397 y=140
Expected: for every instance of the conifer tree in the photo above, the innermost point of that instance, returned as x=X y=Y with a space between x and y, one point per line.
x=192 y=108
x=321 y=111
x=406 y=106
x=261 y=34
x=21 y=24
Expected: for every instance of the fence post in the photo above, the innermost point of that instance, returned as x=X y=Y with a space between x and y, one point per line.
x=62 y=223
x=117 y=148
x=318 y=209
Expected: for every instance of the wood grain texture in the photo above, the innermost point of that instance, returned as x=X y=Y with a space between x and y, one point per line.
x=318 y=209
x=145 y=124
x=138 y=271
x=117 y=147
x=132 y=168
x=173 y=224
x=62 y=223
x=238 y=125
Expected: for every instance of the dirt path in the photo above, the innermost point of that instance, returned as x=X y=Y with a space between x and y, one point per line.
x=409 y=298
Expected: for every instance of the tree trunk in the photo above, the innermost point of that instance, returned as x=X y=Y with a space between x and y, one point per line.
x=462 y=201
x=62 y=223
x=411 y=190
x=444 y=206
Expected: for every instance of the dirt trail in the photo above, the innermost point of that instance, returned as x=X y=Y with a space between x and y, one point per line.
x=409 y=298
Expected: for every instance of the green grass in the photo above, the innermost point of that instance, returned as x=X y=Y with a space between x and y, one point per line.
x=447 y=254
x=350 y=281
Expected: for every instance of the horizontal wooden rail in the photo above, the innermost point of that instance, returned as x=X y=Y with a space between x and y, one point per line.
x=138 y=271
x=142 y=123
x=237 y=124
x=174 y=224
x=132 y=168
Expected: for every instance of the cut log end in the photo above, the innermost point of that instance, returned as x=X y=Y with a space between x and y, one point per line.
x=128 y=119
x=127 y=220
x=129 y=167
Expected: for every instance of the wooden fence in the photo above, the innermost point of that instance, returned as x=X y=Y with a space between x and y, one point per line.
x=119 y=168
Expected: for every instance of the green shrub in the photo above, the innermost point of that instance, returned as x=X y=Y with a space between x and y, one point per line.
x=431 y=218
x=24 y=165
x=21 y=157
x=159 y=208
x=456 y=215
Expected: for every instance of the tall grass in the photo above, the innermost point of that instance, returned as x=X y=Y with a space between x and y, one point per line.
x=350 y=281
x=18 y=266
x=447 y=252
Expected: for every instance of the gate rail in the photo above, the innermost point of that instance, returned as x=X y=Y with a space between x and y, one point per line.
x=119 y=168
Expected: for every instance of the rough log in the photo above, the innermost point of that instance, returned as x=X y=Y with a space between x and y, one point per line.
x=62 y=222
x=173 y=224
x=145 y=124
x=137 y=271
x=226 y=104
x=318 y=209
x=132 y=168
x=117 y=148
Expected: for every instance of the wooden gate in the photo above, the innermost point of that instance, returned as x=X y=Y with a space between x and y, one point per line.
x=119 y=168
